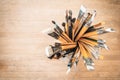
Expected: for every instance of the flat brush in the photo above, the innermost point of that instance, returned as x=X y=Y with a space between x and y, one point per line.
x=94 y=51
x=93 y=27
x=82 y=24
x=56 y=36
x=86 y=57
x=62 y=33
x=89 y=63
x=70 y=63
x=78 y=21
x=54 y=52
x=84 y=29
x=51 y=51
x=99 y=31
x=99 y=43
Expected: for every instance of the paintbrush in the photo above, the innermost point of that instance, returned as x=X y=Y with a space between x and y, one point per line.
x=78 y=21
x=54 y=52
x=80 y=15
x=93 y=27
x=82 y=24
x=86 y=57
x=86 y=26
x=89 y=63
x=61 y=31
x=57 y=36
x=70 y=24
x=72 y=59
x=93 y=43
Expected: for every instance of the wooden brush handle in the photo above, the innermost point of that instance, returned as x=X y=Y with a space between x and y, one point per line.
x=68 y=47
x=65 y=44
x=82 y=50
x=90 y=34
x=75 y=25
x=66 y=36
x=66 y=27
x=62 y=39
x=99 y=24
x=88 y=50
x=92 y=43
x=83 y=30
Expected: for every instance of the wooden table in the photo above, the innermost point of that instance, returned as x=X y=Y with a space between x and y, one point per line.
x=22 y=43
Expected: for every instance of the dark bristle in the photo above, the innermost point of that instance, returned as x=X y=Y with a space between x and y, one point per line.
x=73 y=20
x=53 y=22
x=53 y=34
x=63 y=24
x=70 y=12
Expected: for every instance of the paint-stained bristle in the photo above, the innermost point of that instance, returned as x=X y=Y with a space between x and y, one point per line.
x=49 y=51
x=83 y=9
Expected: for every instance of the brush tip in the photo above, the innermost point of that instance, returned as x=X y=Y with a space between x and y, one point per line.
x=53 y=22
x=63 y=24
x=83 y=8
x=48 y=51
x=70 y=12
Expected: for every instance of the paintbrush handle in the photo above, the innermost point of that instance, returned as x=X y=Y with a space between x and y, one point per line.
x=66 y=28
x=90 y=34
x=75 y=25
x=68 y=44
x=68 y=47
x=83 y=30
x=82 y=50
x=62 y=39
x=66 y=36
x=92 y=43
x=98 y=24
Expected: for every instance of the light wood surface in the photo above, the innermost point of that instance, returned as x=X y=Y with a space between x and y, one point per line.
x=22 y=43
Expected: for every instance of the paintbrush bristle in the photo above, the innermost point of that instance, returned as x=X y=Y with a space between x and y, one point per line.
x=53 y=22
x=70 y=12
x=63 y=24
x=49 y=51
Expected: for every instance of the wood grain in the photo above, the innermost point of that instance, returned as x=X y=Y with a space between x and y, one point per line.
x=22 y=43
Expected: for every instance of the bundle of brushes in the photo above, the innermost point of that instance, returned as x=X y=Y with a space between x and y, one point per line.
x=78 y=39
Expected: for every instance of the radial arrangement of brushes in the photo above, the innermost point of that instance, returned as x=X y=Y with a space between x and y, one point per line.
x=78 y=39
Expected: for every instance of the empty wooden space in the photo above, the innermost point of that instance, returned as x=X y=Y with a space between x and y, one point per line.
x=22 y=43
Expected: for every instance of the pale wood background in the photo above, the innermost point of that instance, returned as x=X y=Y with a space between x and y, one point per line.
x=22 y=43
